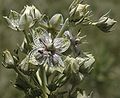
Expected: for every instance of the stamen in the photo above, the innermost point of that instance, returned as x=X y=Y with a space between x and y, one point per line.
x=42 y=42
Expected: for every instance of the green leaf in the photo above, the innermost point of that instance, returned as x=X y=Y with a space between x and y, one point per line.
x=21 y=84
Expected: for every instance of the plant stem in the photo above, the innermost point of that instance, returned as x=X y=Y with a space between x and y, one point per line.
x=43 y=26
x=23 y=77
x=26 y=36
x=41 y=76
x=64 y=27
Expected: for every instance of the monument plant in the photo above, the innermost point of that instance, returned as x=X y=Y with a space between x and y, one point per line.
x=50 y=62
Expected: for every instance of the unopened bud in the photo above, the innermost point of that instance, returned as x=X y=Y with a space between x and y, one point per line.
x=8 y=61
x=105 y=23
x=78 y=12
x=13 y=20
x=56 y=21
x=25 y=22
x=28 y=65
x=35 y=13
x=73 y=64
x=27 y=19
x=32 y=11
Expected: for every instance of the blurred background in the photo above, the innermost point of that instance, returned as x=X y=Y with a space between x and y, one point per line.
x=104 y=80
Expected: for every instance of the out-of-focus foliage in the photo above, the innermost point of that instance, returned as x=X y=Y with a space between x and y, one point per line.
x=105 y=47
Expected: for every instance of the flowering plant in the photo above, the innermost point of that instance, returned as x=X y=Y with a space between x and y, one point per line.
x=54 y=64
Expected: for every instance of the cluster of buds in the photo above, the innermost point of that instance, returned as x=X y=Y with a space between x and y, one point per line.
x=26 y=19
x=79 y=13
x=52 y=51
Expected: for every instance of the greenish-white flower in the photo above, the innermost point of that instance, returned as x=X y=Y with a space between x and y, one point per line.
x=50 y=50
x=25 y=22
x=53 y=25
x=28 y=16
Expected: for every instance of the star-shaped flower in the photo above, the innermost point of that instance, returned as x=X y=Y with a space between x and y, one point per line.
x=46 y=49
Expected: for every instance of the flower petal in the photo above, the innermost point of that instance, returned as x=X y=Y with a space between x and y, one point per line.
x=61 y=44
x=57 y=60
x=46 y=38
x=36 y=36
x=41 y=39
x=37 y=55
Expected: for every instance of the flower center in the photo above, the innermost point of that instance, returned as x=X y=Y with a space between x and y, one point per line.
x=48 y=47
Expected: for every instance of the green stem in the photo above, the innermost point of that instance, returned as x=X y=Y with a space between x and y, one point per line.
x=44 y=81
x=64 y=27
x=41 y=76
x=43 y=26
x=26 y=36
x=28 y=39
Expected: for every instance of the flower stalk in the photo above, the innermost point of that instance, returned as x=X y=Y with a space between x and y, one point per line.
x=63 y=29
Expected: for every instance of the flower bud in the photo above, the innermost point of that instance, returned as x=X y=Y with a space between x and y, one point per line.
x=87 y=66
x=32 y=11
x=72 y=69
x=29 y=14
x=78 y=12
x=35 y=13
x=73 y=64
x=13 y=20
x=105 y=23
x=56 y=21
x=28 y=65
x=25 y=22
x=83 y=95
x=8 y=61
